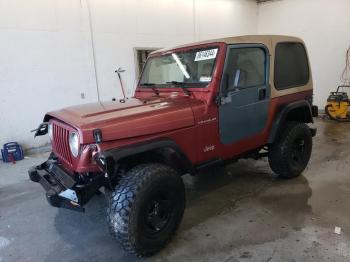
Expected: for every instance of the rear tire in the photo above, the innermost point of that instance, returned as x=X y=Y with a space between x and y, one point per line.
x=146 y=208
x=291 y=152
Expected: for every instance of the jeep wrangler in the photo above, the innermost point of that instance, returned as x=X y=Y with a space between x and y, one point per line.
x=195 y=106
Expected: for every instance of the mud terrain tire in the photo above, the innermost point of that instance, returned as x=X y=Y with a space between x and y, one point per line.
x=290 y=153
x=146 y=208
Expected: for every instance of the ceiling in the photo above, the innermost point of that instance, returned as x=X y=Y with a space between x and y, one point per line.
x=262 y=1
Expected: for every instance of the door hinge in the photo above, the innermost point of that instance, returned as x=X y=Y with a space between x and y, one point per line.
x=222 y=100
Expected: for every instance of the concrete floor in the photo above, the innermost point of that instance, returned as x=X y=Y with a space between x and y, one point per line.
x=240 y=212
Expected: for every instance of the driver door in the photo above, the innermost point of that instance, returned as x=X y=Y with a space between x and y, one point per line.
x=245 y=93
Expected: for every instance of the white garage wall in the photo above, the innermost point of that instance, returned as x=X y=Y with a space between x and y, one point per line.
x=45 y=63
x=46 y=55
x=118 y=26
x=324 y=25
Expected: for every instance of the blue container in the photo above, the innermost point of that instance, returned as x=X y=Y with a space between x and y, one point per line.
x=12 y=151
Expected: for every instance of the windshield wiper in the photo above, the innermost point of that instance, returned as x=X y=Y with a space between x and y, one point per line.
x=150 y=85
x=180 y=84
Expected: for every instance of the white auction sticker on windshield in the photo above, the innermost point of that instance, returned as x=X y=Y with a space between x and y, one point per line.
x=206 y=54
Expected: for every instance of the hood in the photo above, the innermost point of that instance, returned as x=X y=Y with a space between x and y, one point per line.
x=135 y=117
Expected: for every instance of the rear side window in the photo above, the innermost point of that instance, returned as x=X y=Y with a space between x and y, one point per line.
x=291 y=66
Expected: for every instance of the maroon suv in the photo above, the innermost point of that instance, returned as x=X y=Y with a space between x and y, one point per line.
x=195 y=106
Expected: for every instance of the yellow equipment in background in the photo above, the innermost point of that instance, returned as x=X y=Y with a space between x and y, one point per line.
x=337 y=107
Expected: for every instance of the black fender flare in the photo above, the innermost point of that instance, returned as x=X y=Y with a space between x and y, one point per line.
x=109 y=158
x=282 y=116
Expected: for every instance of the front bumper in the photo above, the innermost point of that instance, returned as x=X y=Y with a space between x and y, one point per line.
x=62 y=190
x=313 y=131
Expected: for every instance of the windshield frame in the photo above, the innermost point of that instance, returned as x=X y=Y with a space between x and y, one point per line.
x=195 y=85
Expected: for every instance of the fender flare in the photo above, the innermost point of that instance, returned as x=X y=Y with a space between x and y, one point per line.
x=110 y=158
x=282 y=115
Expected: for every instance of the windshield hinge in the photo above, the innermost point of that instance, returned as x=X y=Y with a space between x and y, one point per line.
x=222 y=100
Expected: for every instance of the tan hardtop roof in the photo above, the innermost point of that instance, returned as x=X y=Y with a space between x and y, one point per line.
x=267 y=40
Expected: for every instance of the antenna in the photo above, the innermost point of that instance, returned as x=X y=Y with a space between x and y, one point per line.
x=119 y=71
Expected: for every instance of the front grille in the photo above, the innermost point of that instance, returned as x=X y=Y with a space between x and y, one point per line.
x=60 y=143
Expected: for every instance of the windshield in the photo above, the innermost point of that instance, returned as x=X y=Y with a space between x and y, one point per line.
x=191 y=68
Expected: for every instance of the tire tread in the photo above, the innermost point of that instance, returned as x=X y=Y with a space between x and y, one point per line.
x=122 y=199
x=278 y=153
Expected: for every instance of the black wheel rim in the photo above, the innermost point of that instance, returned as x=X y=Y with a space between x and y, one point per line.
x=159 y=211
x=299 y=151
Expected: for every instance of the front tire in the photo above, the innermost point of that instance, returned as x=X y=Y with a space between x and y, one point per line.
x=146 y=208
x=290 y=154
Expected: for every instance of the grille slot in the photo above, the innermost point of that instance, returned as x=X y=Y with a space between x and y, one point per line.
x=60 y=143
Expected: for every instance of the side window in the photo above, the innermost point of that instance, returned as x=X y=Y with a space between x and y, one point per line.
x=291 y=66
x=246 y=68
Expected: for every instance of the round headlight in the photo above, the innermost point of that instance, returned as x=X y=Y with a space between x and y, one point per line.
x=50 y=131
x=74 y=143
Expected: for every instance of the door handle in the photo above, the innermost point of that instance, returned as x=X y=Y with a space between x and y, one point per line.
x=262 y=93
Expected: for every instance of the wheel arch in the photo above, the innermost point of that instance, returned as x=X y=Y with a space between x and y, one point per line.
x=299 y=111
x=164 y=151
